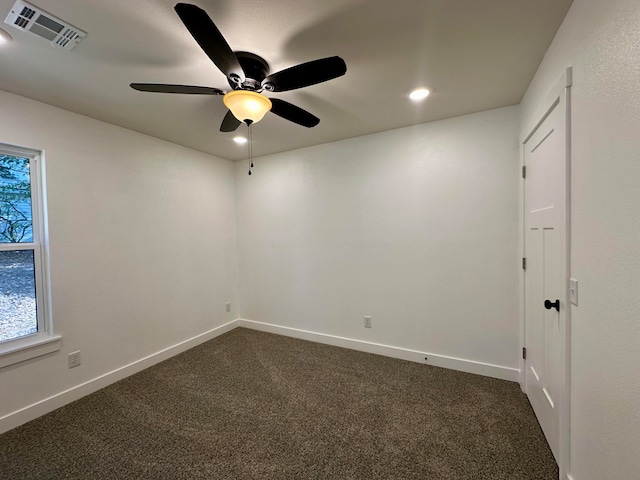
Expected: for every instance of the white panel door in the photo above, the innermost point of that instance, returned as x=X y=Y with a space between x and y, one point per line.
x=545 y=157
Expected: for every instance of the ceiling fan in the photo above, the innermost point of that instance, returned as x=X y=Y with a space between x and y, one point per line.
x=248 y=75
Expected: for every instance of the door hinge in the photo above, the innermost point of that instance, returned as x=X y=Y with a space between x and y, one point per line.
x=524 y=263
x=524 y=353
x=524 y=171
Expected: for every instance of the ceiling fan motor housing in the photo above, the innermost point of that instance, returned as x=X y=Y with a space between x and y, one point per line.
x=255 y=70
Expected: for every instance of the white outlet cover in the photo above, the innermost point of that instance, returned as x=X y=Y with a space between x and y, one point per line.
x=74 y=359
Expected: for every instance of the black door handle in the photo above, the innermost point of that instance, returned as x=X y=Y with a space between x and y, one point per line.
x=548 y=304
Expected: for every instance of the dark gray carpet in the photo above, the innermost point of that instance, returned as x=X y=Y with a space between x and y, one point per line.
x=251 y=405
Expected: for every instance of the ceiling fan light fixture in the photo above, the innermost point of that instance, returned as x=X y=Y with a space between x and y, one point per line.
x=420 y=94
x=247 y=106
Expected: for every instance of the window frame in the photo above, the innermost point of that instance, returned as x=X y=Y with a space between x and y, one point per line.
x=44 y=341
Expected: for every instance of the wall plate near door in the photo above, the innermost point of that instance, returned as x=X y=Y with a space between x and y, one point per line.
x=573 y=291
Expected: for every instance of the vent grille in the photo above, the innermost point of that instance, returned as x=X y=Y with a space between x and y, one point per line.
x=67 y=37
x=29 y=18
x=21 y=22
x=27 y=13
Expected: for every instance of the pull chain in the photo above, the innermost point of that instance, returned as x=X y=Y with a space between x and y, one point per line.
x=250 y=148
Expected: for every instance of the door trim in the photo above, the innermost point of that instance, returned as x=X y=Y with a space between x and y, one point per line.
x=551 y=101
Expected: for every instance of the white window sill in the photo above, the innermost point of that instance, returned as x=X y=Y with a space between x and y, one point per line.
x=27 y=348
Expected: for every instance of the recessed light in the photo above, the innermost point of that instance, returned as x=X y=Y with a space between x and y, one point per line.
x=240 y=140
x=4 y=36
x=420 y=94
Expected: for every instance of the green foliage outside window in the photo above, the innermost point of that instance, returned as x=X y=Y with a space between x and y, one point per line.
x=15 y=200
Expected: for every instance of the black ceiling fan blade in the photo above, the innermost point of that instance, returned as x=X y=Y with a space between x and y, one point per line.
x=305 y=74
x=229 y=123
x=165 y=88
x=205 y=32
x=294 y=114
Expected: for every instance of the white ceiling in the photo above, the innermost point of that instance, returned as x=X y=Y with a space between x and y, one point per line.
x=476 y=54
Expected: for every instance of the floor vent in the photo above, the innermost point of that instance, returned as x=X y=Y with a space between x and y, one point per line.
x=29 y=18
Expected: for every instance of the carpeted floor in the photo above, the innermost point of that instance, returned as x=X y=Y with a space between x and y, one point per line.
x=251 y=405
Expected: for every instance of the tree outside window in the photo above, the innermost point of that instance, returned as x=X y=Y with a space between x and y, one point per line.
x=16 y=223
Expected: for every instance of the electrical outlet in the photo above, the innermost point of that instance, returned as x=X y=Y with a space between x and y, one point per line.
x=74 y=359
x=367 y=322
x=227 y=307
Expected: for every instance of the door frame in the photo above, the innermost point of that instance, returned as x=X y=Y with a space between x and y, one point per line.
x=554 y=99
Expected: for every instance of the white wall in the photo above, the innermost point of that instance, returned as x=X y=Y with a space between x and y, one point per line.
x=416 y=227
x=601 y=40
x=143 y=246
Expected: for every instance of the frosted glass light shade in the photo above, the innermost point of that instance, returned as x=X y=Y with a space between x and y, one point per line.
x=246 y=105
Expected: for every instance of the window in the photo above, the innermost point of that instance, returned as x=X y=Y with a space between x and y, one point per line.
x=25 y=321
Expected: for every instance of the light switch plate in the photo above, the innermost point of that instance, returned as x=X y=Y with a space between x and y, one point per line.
x=573 y=291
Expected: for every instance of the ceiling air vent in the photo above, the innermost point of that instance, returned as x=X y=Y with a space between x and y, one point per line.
x=29 y=18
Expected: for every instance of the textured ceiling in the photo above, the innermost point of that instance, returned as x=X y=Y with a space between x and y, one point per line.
x=475 y=54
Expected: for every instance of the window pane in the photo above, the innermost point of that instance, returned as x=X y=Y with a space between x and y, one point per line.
x=17 y=294
x=15 y=200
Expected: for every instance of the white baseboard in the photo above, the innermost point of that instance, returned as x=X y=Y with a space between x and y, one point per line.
x=58 y=400
x=470 y=366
